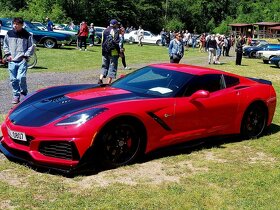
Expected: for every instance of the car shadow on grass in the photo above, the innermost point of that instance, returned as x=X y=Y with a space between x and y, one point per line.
x=205 y=143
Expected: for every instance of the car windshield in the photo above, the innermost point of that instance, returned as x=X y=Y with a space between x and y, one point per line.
x=29 y=25
x=262 y=45
x=154 y=82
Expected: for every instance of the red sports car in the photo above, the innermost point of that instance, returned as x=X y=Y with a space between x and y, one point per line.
x=66 y=127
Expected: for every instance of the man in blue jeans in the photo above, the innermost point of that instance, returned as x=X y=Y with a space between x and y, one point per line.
x=18 y=47
x=110 y=52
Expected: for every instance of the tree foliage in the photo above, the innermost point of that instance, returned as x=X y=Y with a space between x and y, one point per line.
x=199 y=15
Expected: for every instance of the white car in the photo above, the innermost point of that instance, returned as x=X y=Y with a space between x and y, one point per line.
x=149 y=37
x=266 y=55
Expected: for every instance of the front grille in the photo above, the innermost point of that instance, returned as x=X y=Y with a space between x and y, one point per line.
x=64 y=150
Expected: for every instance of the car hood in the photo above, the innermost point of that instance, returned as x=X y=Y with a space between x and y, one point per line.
x=48 y=109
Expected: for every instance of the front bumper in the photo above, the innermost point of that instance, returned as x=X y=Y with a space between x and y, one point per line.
x=27 y=158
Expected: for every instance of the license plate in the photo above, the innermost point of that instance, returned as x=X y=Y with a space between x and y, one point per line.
x=17 y=135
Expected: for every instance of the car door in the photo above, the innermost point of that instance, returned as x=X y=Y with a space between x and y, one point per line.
x=148 y=38
x=209 y=115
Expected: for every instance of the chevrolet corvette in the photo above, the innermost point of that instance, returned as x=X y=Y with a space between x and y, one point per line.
x=67 y=127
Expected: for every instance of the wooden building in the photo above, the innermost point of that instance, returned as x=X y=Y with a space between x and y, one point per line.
x=256 y=30
x=267 y=29
x=245 y=29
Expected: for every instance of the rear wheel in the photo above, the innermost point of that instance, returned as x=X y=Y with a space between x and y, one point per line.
x=254 y=121
x=252 y=54
x=118 y=144
x=49 y=43
x=158 y=42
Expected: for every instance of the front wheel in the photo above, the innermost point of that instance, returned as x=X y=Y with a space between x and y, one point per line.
x=254 y=121
x=49 y=43
x=118 y=144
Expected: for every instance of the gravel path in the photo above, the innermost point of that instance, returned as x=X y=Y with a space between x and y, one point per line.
x=37 y=80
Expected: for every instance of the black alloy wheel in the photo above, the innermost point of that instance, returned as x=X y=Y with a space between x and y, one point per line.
x=119 y=144
x=254 y=121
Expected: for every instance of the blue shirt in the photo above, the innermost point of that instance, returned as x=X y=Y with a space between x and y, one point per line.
x=50 y=26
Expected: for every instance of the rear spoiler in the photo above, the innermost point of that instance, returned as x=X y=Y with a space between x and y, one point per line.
x=263 y=81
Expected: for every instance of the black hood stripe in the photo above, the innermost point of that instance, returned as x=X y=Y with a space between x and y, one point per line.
x=47 y=110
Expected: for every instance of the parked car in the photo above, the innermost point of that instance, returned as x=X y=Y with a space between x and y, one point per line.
x=252 y=51
x=149 y=37
x=67 y=127
x=42 y=27
x=266 y=55
x=49 y=39
x=256 y=42
x=276 y=61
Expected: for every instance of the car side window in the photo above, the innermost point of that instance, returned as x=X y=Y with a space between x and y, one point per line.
x=210 y=82
x=231 y=81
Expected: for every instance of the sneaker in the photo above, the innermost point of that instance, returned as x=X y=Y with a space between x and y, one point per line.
x=100 y=82
x=85 y=49
x=127 y=68
x=15 y=100
x=80 y=49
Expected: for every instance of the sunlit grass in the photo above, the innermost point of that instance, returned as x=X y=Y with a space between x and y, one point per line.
x=231 y=174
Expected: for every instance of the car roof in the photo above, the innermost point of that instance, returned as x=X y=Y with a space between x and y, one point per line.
x=190 y=69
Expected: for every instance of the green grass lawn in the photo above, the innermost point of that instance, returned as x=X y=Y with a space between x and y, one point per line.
x=229 y=174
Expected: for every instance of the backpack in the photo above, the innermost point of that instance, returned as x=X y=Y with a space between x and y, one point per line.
x=108 y=45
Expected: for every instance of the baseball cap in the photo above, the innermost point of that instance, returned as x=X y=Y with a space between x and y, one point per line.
x=114 y=22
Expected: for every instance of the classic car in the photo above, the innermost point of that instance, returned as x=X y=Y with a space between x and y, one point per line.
x=266 y=55
x=276 y=61
x=149 y=37
x=252 y=51
x=72 y=126
x=49 y=39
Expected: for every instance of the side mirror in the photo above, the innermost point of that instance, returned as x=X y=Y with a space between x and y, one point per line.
x=200 y=94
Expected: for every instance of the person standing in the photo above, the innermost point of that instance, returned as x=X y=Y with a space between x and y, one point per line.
x=18 y=47
x=83 y=34
x=122 y=49
x=140 y=35
x=239 y=50
x=110 y=52
x=212 y=47
x=176 y=49
x=49 y=24
x=91 y=34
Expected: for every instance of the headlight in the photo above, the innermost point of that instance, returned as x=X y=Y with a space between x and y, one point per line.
x=81 y=117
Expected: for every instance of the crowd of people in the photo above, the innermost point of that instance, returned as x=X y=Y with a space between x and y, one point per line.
x=17 y=51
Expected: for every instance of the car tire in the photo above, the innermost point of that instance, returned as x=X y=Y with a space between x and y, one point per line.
x=131 y=40
x=97 y=40
x=49 y=43
x=265 y=61
x=119 y=143
x=254 y=121
x=252 y=54
x=158 y=42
